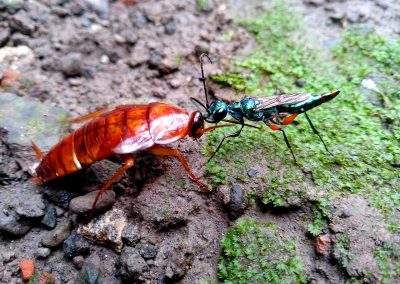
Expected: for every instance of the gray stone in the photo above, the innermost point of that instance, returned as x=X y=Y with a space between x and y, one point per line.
x=236 y=202
x=50 y=217
x=55 y=237
x=130 y=235
x=4 y=35
x=22 y=22
x=101 y=7
x=300 y=82
x=12 y=6
x=252 y=172
x=10 y=225
x=138 y=19
x=83 y=204
x=132 y=264
x=78 y=261
x=170 y=27
x=130 y=37
x=71 y=64
x=75 y=245
x=59 y=196
x=25 y=117
x=159 y=93
x=31 y=205
x=90 y=272
x=42 y=253
x=147 y=251
x=314 y=2
x=76 y=8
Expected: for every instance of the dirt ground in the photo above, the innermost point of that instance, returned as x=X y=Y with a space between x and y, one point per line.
x=83 y=56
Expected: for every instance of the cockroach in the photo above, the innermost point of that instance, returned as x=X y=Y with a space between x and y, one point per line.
x=123 y=131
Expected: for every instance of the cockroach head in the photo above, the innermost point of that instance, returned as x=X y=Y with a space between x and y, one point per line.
x=196 y=125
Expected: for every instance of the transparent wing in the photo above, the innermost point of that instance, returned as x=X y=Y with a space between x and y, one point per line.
x=283 y=99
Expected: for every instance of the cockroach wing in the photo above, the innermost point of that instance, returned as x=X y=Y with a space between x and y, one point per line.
x=283 y=99
x=136 y=135
x=167 y=123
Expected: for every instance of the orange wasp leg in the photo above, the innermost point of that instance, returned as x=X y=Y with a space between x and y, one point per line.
x=129 y=163
x=88 y=116
x=289 y=119
x=161 y=151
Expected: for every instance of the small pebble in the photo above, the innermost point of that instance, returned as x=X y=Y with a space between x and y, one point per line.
x=75 y=245
x=42 y=253
x=71 y=64
x=236 y=202
x=50 y=217
x=148 y=251
x=252 y=172
x=83 y=204
x=170 y=27
x=78 y=261
x=55 y=237
x=300 y=82
x=104 y=59
x=130 y=235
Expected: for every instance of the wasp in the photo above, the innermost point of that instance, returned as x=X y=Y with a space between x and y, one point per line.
x=275 y=111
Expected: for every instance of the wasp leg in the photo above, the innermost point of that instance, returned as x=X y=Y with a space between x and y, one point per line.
x=88 y=116
x=129 y=163
x=276 y=127
x=289 y=119
x=317 y=133
x=161 y=151
x=235 y=134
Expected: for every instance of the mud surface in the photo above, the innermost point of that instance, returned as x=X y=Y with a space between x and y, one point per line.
x=83 y=56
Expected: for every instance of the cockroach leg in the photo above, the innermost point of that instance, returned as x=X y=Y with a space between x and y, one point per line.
x=161 y=151
x=38 y=153
x=129 y=163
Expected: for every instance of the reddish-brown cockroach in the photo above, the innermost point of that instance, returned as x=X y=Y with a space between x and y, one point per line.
x=123 y=131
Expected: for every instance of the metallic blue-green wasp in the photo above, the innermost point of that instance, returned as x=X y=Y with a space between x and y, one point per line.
x=275 y=111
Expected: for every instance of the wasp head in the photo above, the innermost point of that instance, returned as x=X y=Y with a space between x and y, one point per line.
x=217 y=111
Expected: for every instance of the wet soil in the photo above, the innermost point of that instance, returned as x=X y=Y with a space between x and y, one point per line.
x=91 y=55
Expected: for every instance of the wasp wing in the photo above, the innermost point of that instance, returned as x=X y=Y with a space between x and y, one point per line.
x=283 y=99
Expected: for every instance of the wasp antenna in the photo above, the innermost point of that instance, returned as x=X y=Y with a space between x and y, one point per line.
x=199 y=103
x=203 y=79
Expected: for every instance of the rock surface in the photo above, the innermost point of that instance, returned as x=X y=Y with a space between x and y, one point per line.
x=132 y=264
x=106 y=229
x=75 y=245
x=54 y=238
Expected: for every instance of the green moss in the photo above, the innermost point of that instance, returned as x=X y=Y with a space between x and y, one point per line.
x=320 y=213
x=255 y=253
x=360 y=126
x=388 y=258
x=342 y=248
